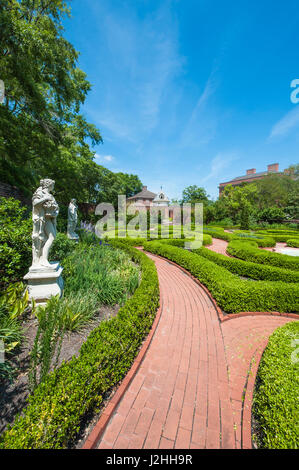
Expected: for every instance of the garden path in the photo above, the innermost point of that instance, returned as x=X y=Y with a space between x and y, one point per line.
x=193 y=388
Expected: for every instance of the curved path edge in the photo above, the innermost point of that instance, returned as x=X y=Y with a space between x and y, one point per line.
x=100 y=427
x=108 y=411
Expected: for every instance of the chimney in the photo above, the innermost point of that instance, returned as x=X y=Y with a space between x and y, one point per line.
x=273 y=168
x=251 y=171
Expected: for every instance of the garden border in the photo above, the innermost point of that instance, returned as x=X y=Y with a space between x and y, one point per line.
x=101 y=425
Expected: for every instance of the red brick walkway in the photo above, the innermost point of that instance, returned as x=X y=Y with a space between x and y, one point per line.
x=219 y=246
x=189 y=389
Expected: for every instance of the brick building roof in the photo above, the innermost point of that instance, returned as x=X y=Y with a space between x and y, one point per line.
x=144 y=194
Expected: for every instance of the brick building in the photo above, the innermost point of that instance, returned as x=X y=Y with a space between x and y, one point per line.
x=252 y=175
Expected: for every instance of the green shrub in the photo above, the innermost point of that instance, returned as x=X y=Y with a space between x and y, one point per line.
x=106 y=271
x=250 y=252
x=232 y=293
x=293 y=242
x=61 y=248
x=249 y=269
x=63 y=399
x=47 y=343
x=15 y=241
x=275 y=404
x=218 y=233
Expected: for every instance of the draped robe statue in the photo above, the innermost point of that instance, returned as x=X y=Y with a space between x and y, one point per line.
x=72 y=220
x=44 y=213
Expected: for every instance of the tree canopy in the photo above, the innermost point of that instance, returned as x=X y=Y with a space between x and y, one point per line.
x=42 y=133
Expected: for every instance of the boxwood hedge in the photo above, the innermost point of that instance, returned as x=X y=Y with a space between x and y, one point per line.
x=232 y=293
x=275 y=403
x=293 y=242
x=250 y=252
x=57 y=406
x=249 y=269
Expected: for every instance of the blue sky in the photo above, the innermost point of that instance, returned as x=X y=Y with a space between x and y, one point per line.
x=190 y=91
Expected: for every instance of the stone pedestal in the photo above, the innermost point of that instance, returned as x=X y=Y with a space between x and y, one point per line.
x=73 y=236
x=44 y=282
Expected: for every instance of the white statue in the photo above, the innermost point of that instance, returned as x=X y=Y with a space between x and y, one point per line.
x=72 y=220
x=44 y=213
x=44 y=278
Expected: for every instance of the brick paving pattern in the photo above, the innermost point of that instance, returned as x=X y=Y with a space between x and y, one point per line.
x=189 y=391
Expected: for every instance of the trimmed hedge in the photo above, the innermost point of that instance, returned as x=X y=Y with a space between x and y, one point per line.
x=249 y=251
x=275 y=403
x=260 y=241
x=232 y=293
x=249 y=269
x=218 y=234
x=280 y=236
x=207 y=240
x=293 y=242
x=57 y=406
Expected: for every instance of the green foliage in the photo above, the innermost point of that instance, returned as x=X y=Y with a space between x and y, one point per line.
x=62 y=247
x=102 y=269
x=275 y=404
x=15 y=241
x=13 y=303
x=294 y=242
x=218 y=233
x=61 y=401
x=271 y=214
x=42 y=132
x=249 y=269
x=16 y=299
x=193 y=194
x=249 y=252
x=47 y=341
x=232 y=293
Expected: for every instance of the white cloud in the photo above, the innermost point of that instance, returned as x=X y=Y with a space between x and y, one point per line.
x=104 y=158
x=289 y=122
x=221 y=162
x=143 y=60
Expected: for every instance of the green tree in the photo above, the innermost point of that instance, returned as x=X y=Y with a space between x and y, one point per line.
x=41 y=130
x=239 y=202
x=194 y=194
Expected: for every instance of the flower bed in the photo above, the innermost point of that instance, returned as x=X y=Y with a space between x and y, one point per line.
x=61 y=401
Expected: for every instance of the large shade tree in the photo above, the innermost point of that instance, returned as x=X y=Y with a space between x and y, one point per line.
x=42 y=133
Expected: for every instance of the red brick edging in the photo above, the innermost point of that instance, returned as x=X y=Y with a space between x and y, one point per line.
x=96 y=433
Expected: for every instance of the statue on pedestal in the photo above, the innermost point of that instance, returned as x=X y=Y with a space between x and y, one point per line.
x=44 y=278
x=72 y=220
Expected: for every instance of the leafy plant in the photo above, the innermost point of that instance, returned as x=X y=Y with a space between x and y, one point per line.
x=47 y=343
x=275 y=403
x=61 y=401
x=15 y=241
x=16 y=299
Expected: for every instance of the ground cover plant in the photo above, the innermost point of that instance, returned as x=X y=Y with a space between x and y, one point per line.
x=275 y=404
x=15 y=241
